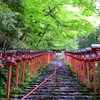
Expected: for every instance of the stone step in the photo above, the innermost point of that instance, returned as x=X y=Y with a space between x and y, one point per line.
x=55 y=93
x=45 y=84
x=62 y=98
x=71 y=97
x=69 y=93
x=57 y=84
x=31 y=96
x=57 y=97
x=62 y=89
x=69 y=85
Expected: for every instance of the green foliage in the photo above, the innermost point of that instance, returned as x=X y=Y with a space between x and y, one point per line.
x=87 y=6
x=46 y=24
x=86 y=41
x=7 y=23
x=58 y=16
x=3 y=76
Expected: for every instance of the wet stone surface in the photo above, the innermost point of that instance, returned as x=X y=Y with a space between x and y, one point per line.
x=66 y=88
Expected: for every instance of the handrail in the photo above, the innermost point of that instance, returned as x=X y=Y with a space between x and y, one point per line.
x=54 y=74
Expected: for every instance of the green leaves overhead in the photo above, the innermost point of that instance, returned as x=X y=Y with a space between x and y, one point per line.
x=88 y=7
x=53 y=13
x=45 y=23
x=65 y=18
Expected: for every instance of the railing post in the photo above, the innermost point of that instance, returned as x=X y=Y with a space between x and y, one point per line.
x=54 y=79
x=24 y=58
x=33 y=66
x=29 y=65
x=23 y=68
x=80 y=70
x=75 y=65
x=94 y=77
x=48 y=86
x=77 y=68
x=17 y=75
x=39 y=93
x=88 y=73
x=8 y=81
x=84 y=72
x=31 y=70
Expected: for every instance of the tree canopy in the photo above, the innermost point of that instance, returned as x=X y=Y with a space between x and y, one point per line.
x=46 y=24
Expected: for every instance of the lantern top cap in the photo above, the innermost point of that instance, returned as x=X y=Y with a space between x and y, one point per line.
x=83 y=50
x=88 y=48
x=95 y=45
x=11 y=51
x=74 y=51
x=79 y=51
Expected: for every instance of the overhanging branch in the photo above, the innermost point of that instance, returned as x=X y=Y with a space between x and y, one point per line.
x=59 y=23
x=42 y=35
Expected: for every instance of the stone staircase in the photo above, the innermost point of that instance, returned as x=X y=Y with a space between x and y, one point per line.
x=66 y=88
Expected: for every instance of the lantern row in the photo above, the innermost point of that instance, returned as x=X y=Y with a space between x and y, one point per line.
x=35 y=58
x=89 y=53
x=14 y=56
x=83 y=62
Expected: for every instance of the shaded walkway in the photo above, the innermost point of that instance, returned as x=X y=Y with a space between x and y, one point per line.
x=67 y=88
